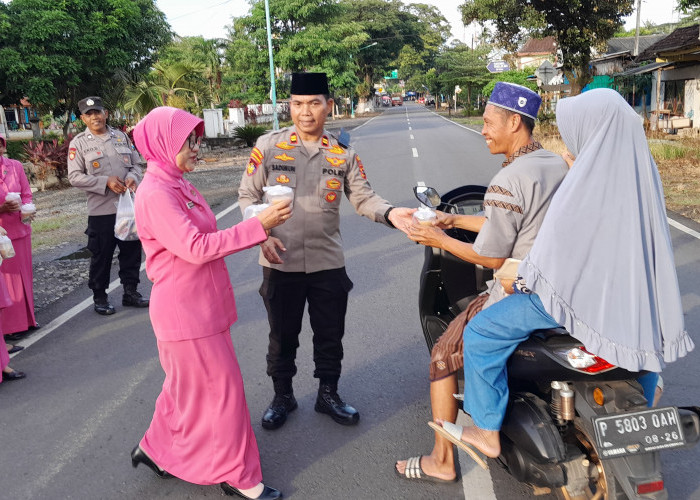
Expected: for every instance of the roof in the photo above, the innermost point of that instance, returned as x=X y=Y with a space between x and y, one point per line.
x=547 y=45
x=626 y=44
x=644 y=69
x=680 y=38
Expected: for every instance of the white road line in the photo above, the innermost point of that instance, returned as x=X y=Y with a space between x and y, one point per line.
x=412 y=138
x=681 y=227
x=78 y=308
x=409 y=128
x=474 y=478
x=415 y=152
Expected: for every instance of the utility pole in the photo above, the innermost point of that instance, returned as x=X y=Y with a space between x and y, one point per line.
x=636 y=32
x=273 y=90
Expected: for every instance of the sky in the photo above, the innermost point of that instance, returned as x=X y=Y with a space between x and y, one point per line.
x=209 y=18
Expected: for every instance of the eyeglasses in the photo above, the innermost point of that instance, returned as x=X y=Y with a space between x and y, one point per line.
x=194 y=141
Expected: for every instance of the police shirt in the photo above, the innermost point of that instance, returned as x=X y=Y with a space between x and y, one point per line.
x=319 y=179
x=92 y=159
x=515 y=205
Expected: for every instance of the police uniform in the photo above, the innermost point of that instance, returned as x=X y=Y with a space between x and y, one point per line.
x=92 y=159
x=314 y=264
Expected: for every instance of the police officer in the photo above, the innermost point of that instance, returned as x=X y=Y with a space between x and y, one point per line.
x=103 y=163
x=303 y=259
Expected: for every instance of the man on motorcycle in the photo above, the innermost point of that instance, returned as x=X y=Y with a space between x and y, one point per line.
x=515 y=203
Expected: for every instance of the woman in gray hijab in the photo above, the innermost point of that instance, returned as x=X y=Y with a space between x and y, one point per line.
x=602 y=266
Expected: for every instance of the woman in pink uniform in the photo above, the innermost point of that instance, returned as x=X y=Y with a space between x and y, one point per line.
x=201 y=430
x=6 y=372
x=17 y=272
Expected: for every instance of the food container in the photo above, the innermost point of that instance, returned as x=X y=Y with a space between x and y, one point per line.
x=13 y=197
x=27 y=211
x=6 y=248
x=424 y=216
x=254 y=210
x=278 y=194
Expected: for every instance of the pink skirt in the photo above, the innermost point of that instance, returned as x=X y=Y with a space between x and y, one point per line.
x=201 y=430
x=19 y=279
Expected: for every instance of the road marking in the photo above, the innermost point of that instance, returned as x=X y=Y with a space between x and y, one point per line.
x=409 y=128
x=415 y=152
x=412 y=138
x=474 y=478
x=681 y=227
x=78 y=308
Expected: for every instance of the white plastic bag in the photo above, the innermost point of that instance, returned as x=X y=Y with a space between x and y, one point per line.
x=7 y=250
x=125 y=225
x=253 y=210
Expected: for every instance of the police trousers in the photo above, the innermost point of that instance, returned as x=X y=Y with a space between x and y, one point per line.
x=102 y=243
x=285 y=296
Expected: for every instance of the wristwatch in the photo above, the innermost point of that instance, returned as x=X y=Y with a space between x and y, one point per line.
x=386 y=217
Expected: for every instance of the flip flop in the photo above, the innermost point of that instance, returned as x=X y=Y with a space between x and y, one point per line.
x=453 y=434
x=414 y=471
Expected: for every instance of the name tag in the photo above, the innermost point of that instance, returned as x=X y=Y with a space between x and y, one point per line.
x=190 y=205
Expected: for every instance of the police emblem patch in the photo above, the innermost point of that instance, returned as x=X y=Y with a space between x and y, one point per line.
x=284 y=145
x=71 y=153
x=331 y=197
x=284 y=157
x=361 y=167
x=89 y=102
x=251 y=168
x=522 y=101
x=336 y=162
x=282 y=179
x=95 y=164
x=333 y=184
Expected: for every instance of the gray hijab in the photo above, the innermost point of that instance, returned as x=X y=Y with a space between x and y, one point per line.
x=602 y=262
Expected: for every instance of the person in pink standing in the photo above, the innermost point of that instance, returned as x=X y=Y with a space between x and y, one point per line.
x=201 y=430
x=17 y=272
x=7 y=373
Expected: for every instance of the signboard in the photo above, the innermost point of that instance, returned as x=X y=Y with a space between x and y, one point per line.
x=394 y=75
x=545 y=72
x=497 y=66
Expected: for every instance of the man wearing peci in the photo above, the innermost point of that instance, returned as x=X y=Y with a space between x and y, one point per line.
x=103 y=163
x=303 y=260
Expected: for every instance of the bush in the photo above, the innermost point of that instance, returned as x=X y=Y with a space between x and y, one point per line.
x=49 y=157
x=249 y=133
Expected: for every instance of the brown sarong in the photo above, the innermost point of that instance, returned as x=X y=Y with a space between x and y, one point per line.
x=447 y=355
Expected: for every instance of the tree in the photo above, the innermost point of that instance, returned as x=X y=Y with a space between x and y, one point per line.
x=577 y=25
x=55 y=53
x=460 y=65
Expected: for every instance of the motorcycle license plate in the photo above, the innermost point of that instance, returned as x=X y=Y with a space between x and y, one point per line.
x=638 y=432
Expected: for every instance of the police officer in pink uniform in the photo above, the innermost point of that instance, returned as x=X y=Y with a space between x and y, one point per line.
x=201 y=429
x=18 y=317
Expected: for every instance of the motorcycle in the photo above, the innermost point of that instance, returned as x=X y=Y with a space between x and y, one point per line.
x=575 y=425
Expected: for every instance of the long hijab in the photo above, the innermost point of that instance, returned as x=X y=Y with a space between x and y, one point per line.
x=602 y=262
x=161 y=134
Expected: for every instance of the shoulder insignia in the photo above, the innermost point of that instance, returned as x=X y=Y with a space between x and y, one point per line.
x=282 y=179
x=284 y=157
x=71 y=153
x=293 y=138
x=361 y=167
x=256 y=156
x=325 y=142
x=333 y=184
x=284 y=145
x=336 y=150
x=251 y=168
x=336 y=162
x=331 y=197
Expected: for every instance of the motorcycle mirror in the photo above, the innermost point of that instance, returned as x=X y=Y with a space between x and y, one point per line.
x=428 y=196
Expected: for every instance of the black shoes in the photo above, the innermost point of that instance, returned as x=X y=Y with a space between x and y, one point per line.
x=138 y=456
x=276 y=414
x=15 y=348
x=329 y=402
x=132 y=298
x=103 y=307
x=13 y=375
x=267 y=493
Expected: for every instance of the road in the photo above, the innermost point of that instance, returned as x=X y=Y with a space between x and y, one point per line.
x=67 y=430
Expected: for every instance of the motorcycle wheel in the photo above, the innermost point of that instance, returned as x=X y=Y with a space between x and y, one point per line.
x=602 y=487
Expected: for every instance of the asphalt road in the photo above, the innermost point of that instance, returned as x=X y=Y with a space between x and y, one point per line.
x=67 y=430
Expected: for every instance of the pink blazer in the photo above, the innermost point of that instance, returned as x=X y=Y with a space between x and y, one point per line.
x=13 y=179
x=192 y=296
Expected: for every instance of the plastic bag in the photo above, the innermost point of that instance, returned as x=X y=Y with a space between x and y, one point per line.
x=28 y=211
x=7 y=250
x=125 y=225
x=253 y=210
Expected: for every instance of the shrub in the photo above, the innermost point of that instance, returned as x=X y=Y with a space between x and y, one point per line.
x=249 y=133
x=48 y=158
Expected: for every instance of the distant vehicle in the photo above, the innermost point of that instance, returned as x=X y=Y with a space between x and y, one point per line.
x=386 y=100
x=396 y=100
x=421 y=100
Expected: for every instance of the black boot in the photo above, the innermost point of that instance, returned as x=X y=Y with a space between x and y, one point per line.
x=276 y=414
x=329 y=402
x=132 y=298
x=102 y=305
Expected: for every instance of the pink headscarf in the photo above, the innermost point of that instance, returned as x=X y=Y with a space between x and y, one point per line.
x=161 y=134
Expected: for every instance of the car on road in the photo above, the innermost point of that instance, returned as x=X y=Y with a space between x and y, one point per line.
x=396 y=100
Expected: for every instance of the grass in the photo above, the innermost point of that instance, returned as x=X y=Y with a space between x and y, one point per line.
x=49 y=231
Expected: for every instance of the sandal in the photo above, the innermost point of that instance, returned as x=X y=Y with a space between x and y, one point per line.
x=415 y=471
x=453 y=434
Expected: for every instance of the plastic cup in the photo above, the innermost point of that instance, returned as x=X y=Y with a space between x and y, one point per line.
x=279 y=194
x=424 y=216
